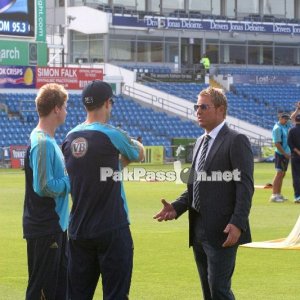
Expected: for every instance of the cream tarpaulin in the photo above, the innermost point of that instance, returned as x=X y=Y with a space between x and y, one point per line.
x=291 y=242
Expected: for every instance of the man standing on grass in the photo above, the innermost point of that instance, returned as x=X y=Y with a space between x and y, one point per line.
x=294 y=144
x=282 y=155
x=218 y=206
x=100 y=238
x=46 y=213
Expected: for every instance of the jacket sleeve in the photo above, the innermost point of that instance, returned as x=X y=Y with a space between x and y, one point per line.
x=291 y=140
x=45 y=184
x=125 y=144
x=181 y=203
x=241 y=157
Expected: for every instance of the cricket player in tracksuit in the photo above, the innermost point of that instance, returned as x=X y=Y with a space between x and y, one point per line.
x=99 y=236
x=46 y=213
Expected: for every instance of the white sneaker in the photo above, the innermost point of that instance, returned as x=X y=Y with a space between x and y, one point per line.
x=284 y=198
x=276 y=198
x=297 y=200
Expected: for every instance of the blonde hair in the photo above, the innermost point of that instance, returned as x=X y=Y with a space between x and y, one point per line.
x=217 y=97
x=49 y=96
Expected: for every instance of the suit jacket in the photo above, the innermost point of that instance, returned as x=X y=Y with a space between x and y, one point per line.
x=221 y=202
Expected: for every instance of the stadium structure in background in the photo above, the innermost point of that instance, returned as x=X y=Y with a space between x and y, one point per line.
x=178 y=33
x=143 y=32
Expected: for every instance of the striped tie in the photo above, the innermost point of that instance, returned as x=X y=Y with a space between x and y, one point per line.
x=200 y=166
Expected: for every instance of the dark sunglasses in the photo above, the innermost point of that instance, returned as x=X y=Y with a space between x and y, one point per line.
x=202 y=106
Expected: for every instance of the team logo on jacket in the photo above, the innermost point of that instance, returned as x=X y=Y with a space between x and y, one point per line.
x=79 y=147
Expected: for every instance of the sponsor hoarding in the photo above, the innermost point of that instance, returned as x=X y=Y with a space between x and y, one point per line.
x=17 y=77
x=17 y=155
x=206 y=25
x=154 y=155
x=70 y=78
x=40 y=20
x=265 y=79
x=22 y=53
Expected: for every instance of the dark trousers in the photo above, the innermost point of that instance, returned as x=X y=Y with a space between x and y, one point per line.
x=110 y=256
x=47 y=267
x=215 y=267
x=295 y=162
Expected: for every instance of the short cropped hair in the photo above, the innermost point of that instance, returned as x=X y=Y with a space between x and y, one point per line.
x=217 y=97
x=49 y=96
x=94 y=107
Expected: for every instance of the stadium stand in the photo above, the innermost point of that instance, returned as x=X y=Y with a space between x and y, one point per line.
x=241 y=105
x=256 y=104
x=253 y=103
x=263 y=100
x=156 y=128
x=243 y=70
x=188 y=91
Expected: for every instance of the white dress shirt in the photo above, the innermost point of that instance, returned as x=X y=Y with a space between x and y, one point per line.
x=213 y=134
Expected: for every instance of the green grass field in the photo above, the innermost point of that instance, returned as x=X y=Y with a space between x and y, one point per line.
x=163 y=264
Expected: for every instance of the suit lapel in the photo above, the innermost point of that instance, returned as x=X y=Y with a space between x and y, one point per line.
x=216 y=145
x=195 y=154
x=197 y=149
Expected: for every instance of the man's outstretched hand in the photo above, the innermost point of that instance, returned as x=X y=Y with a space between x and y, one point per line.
x=167 y=213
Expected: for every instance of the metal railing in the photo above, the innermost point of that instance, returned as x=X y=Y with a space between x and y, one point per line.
x=254 y=117
x=188 y=112
x=159 y=102
x=256 y=139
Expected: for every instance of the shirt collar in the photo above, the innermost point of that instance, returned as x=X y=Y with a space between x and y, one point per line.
x=213 y=134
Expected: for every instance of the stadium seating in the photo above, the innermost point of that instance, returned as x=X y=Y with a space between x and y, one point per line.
x=256 y=104
x=156 y=128
x=268 y=99
x=265 y=100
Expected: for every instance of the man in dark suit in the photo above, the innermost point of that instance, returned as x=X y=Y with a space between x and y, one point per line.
x=294 y=144
x=218 y=196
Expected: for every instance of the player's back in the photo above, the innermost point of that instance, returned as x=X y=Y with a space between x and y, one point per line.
x=98 y=205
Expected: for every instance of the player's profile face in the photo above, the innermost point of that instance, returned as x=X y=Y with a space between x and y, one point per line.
x=62 y=113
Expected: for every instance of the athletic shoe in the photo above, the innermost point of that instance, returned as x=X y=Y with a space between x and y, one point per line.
x=284 y=198
x=276 y=198
x=297 y=200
